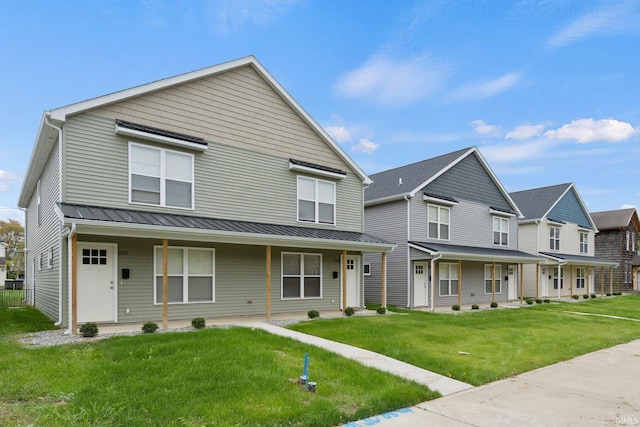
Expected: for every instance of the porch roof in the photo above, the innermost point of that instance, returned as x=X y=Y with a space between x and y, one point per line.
x=137 y=223
x=472 y=253
x=579 y=259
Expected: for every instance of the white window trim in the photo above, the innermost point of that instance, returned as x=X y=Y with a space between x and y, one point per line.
x=582 y=276
x=554 y=227
x=366 y=269
x=439 y=207
x=50 y=258
x=502 y=220
x=498 y=278
x=316 y=203
x=185 y=277
x=583 y=243
x=302 y=276
x=38 y=204
x=163 y=178
x=120 y=130
x=314 y=171
x=448 y=279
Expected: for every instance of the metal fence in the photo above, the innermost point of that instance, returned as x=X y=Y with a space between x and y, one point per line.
x=12 y=298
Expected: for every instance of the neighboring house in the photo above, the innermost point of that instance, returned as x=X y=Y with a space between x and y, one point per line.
x=617 y=240
x=557 y=227
x=452 y=220
x=3 y=263
x=208 y=194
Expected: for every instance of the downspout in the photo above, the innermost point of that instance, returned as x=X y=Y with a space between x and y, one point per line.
x=51 y=125
x=408 y=199
x=70 y=262
x=560 y=276
x=433 y=273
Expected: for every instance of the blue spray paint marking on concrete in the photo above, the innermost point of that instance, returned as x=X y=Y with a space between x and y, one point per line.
x=372 y=421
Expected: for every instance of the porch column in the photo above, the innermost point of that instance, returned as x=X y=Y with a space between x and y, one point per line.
x=460 y=282
x=165 y=283
x=268 y=280
x=611 y=280
x=383 y=279
x=493 y=282
x=586 y=285
x=74 y=284
x=537 y=281
x=521 y=283
x=560 y=281
x=344 y=279
x=571 y=282
x=602 y=280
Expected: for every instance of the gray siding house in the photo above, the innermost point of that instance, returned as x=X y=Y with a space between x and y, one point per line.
x=557 y=227
x=208 y=194
x=617 y=240
x=456 y=230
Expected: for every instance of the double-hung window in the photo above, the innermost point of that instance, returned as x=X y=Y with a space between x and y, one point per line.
x=160 y=177
x=492 y=276
x=584 y=242
x=500 y=231
x=316 y=200
x=448 y=275
x=554 y=238
x=439 y=220
x=580 y=277
x=191 y=274
x=558 y=278
x=301 y=275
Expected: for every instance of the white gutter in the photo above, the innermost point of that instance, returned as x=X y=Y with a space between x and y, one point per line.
x=433 y=273
x=70 y=261
x=408 y=199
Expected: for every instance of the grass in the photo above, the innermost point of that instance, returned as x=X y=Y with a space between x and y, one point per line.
x=500 y=343
x=235 y=376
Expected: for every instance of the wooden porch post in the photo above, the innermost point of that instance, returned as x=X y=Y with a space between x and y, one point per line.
x=493 y=282
x=74 y=284
x=459 y=282
x=602 y=280
x=611 y=280
x=165 y=283
x=571 y=282
x=521 y=284
x=344 y=279
x=383 y=274
x=537 y=281
x=268 y=279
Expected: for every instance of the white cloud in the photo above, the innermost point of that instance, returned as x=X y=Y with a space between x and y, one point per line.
x=513 y=152
x=525 y=132
x=5 y=178
x=483 y=129
x=339 y=133
x=391 y=82
x=365 y=146
x=589 y=130
x=627 y=206
x=231 y=15
x=487 y=89
x=610 y=19
x=7 y=213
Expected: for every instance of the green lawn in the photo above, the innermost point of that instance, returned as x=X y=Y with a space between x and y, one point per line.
x=211 y=377
x=500 y=342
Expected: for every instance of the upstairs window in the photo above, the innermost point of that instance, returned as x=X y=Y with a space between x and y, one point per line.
x=554 y=238
x=439 y=220
x=500 y=231
x=316 y=200
x=584 y=243
x=160 y=177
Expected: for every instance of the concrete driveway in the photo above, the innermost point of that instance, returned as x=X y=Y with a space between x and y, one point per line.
x=596 y=389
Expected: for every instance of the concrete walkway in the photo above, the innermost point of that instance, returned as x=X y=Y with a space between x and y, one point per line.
x=442 y=384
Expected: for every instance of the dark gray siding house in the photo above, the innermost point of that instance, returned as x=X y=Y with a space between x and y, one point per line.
x=208 y=194
x=456 y=232
x=618 y=241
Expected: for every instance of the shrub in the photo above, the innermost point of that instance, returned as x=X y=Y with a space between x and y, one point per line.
x=529 y=301
x=546 y=301
x=475 y=307
x=349 y=311
x=608 y=294
x=575 y=296
x=455 y=307
x=538 y=301
x=593 y=295
x=149 y=327
x=313 y=314
x=381 y=310
x=585 y=296
x=494 y=304
x=198 y=323
x=89 y=330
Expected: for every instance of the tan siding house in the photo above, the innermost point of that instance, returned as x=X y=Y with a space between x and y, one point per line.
x=218 y=174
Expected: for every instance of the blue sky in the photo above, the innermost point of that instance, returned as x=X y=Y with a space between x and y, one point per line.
x=548 y=90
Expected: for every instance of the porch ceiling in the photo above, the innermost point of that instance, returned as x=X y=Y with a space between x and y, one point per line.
x=472 y=253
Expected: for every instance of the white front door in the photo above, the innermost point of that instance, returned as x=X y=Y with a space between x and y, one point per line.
x=420 y=283
x=544 y=281
x=512 y=283
x=96 y=282
x=353 y=281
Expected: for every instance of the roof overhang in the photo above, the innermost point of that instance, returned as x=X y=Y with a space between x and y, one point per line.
x=580 y=260
x=470 y=253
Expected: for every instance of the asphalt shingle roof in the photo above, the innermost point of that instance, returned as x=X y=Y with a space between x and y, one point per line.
x=609 y=220
x=535 y=203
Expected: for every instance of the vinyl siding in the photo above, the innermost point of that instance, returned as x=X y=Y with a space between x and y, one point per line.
x=569 y=239
x=40 y=238
x=388 y=221
x=230 y=182
x=569 y=209
x=240 y=282
x=472 y=285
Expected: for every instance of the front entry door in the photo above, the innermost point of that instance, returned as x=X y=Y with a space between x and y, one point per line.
x=353 y=281
x=512 y=283
x=96 y=287
x=544 y=281
x=420 y=283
